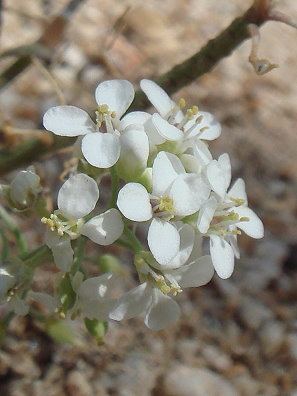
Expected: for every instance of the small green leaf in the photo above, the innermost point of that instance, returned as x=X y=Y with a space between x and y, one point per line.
x=109 y=263
x=97 y=328
x=60 y=331
x=66 y=293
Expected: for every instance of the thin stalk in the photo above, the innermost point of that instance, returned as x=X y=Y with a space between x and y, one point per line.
x=79 y=254
x=37 y=256
x=133 y=240
x=114 y=187
x=12 y=227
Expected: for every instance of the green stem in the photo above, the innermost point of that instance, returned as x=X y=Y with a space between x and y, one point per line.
x=114 y=187
x=79 y=254
x=37 y=256
x=133 y=240
x=11 y=225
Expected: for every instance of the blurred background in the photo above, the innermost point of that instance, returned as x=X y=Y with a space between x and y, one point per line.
x=237 y=336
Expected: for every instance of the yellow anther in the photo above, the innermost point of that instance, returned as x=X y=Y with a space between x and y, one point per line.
x=244 y=218
x=195 y=110
x=182 y=103
x=204 y=129
x=103 y=109
x=238 y=201
x=189 y=114
x=166 y=204
x=113 y=114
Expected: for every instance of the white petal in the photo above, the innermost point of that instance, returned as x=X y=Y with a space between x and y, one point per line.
x=61 y=249
x=132 y=303
x=163 y=312
x=187 y=237
x=195 y=274
x=46 y=300
x=97 y=309
x=232 y=239
x=163 y=240
x=166 y=168
x=134 y=202
x=238 y=191
x=206 y=214
x=212 y=127
x=134 y=154
x=78 y=196
x=216 y=177
x=63 y=255
x=222 y=256
x=134 y=118
x=157 y=96
x=201 y=151
x=24 y=187
x=188 y=193
x=197 y=248
x=116 y=94
x=225 y=165
x=95 y=287
x=254 y=227
x=191 y=163
x=68 y=121
x=101 y=149
x=154 y=137
x=166 y=130
x=104 y=229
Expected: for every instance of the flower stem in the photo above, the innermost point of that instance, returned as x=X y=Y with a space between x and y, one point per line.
x=79 y=254
x=37 y=256
x=114 y=187
x=11 y=225
x=133 y=240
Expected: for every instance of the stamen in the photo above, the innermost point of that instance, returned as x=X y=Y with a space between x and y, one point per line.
x=55 y=224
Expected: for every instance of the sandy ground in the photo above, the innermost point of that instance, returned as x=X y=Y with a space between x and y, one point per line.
x=236 y=337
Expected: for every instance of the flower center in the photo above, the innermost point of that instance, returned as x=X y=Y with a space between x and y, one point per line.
x=223 y=220
x=166 y=283
x=62 y=227
x=163 y=207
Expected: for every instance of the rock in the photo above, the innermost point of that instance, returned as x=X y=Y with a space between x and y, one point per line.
x=246 y=385
x=188 y=381
x=272 y=336
x=77 y=384
x=138 y=377
x=292 y=344
x=254 y=313
x=216 y=358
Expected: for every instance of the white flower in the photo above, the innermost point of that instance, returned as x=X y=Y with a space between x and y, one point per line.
x=151 y=298
x=100 y=149
x=175 y=194
x=220 y=219
x=76 y=199
x=94 y=295
x=24 y=188
x=171 y=124
x=218 y=174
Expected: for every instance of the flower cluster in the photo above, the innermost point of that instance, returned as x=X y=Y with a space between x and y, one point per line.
x=163 y=176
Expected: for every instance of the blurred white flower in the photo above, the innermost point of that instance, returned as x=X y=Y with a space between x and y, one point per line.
x=222 y=219
x=76 y=199
x=151 y=298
